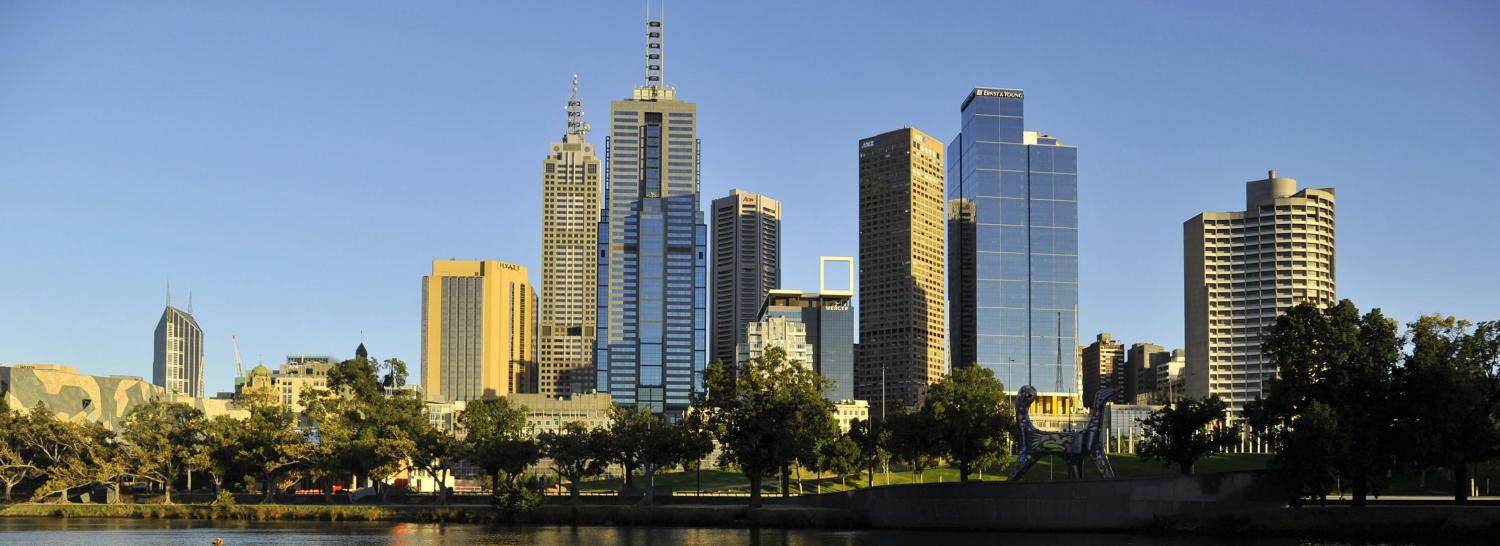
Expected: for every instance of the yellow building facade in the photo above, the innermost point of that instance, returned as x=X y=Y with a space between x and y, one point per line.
x=478 y=330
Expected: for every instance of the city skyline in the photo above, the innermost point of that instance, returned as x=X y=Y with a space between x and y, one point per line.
x=240 y=256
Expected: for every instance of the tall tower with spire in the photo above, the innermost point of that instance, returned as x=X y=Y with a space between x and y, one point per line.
x=177 y=356
x=570 y=222
x=652 y=311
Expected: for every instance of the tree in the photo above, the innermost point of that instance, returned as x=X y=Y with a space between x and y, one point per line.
x=628 y=428
x=436 y=451
x=971 y=415
x=366 y=431
x=765 y=414
x=15 y=461
x=840 y=456
x=494 y=440
x=872 y=440
x=270 y=444
x=160 y=439
x=1346 y=363
x=219 y=452
x=669 y=444
x=1182 y=433
x=70 y=455
x=577 y=453
x=913 y=442
x=1451 y=384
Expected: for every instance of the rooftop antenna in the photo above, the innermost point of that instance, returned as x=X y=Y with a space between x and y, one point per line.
x=576 y=125
x=654 y=51
x=190 y=302
x=169 y=291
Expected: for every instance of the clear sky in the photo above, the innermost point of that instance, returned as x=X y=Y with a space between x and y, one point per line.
x=297 y=165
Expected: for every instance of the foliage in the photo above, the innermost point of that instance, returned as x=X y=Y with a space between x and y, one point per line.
x=840 y=457
x=161 y=441
x=495 y=441
x=872 y=440
x=16 y=462
x=1338 y=371
x=1183 y=433
x=912 y=442
x=765 y=414
x=971 y=415
x=364 y=430
x=577 y=453
x=1451 y=392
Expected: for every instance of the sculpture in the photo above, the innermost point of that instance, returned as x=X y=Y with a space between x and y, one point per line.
x=1070 y=446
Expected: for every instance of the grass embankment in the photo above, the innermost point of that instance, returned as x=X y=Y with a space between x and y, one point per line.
x=249 y=512
x=732 y=481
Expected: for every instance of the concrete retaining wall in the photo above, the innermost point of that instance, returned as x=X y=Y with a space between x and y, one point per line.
x=1084 y=505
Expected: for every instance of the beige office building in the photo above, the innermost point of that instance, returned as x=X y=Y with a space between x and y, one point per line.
x=746 y=265
x=788 y=333
x=1103 y=368
x=570 y=243
x=1243 y=269
x=478 y=330
x=901 y=273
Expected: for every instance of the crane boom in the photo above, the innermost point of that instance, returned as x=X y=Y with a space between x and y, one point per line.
x=239 y=369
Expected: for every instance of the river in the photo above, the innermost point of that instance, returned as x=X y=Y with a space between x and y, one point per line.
x=122 y=532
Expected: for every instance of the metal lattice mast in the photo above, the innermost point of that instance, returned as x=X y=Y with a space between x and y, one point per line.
x=654 y=50
x=576 y=124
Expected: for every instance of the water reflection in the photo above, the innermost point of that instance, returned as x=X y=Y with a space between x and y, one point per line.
x=118 y=532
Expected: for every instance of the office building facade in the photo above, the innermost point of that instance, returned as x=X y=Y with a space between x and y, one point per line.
x=177 y=361
x=653 y=269
x=571 y=186
x=746 y=265
x=1142 y=362
x=1242 y=270
x=828 y=315
x=901 y=313
x=478 y=330
x=1013 y=250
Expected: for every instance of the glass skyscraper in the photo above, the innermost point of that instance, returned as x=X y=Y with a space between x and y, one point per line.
x=653 y=267
x=1013 y=250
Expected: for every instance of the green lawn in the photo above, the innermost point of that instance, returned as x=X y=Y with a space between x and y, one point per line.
x=716 y=480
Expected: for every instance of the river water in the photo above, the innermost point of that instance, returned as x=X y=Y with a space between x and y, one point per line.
x=122 y=532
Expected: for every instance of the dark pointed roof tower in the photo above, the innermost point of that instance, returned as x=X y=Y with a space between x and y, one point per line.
x=360 y=351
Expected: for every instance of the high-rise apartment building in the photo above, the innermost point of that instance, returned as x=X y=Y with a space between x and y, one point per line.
x=653 y=271
x=1013 y=250
x=828 y=316
x=746 y=265
x=901 y=313
x=1142 y=361
x=1104 y=368
x=571 y=186
x=776 y=331
x=478 y=330
x=177 y=361
x=1242 y=270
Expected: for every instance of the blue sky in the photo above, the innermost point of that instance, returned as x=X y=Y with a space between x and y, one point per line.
x=298 y=164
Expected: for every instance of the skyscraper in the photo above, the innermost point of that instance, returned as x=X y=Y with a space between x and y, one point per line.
x=1104 y=368
x=746 y=265
x=478 y=330
x=828 y=316
x=177 y=363
x=570 y=232
x=1013 y=250
x=900 y=268
x=653 y=274
x=1242 y=269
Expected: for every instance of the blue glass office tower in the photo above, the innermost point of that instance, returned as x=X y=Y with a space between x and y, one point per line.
x=1013 y=249
x=652 y=288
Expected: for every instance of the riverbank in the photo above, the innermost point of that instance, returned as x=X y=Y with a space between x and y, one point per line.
x=676 y=515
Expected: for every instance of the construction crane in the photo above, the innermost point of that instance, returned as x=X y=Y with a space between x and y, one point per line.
x=239 y=369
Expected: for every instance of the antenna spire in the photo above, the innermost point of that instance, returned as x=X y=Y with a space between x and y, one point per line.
x=654 y=51
x=576 y=125
x=169 y=291
x=190 y=302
